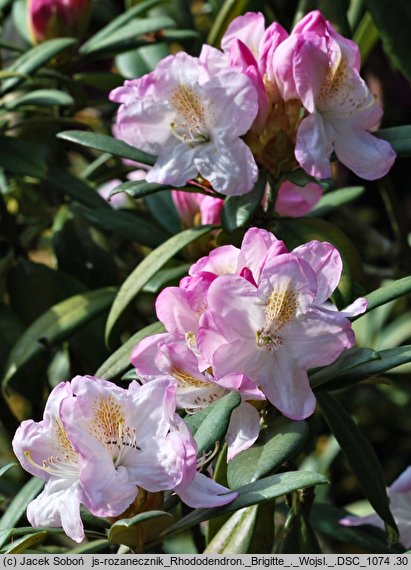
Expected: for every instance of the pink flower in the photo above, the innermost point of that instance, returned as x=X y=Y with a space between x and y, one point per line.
x=321 y=68
x=44 y=450
x=57 y=18
x=400 y=503
x=196 y=209
x=192 y=121
x=295 y=201
x=274 y=329
x=169 y=356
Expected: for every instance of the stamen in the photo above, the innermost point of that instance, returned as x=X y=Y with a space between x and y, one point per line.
x=55 y=466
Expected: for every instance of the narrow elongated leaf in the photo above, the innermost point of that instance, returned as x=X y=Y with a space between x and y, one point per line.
x=388 y=293
x=67 y=184
x=25 y=542
x=134 y=226
x=107 y=144
x=35 y=58
x=337 y=198
x=346 y=362
x=91 y=547
x=5 y=468
x=299 y=537
x=164 y=276
x=128 y=36
x=235 y=536
x=393 y=27
x=238 y=210
x=398 y=137
x=119 y=22
x=42 y=98
x=163 y=210
x=253 y=494
x=362 y=459
x=279 y=442
x=119 y=361
x=21 y=158
x=387 y=359
x=59 y=323
x=140 y=528
x=147 y=268
x=138 y=188
x=18 y=506
x=214 y=426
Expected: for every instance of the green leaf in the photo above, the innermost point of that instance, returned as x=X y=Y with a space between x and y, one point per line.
x=25 y=542
x=107 y=144
x=228 y=11
x=388 y=293
x=366 y=36
x=347 y=361
x=399 y=138
x=119 y=361
x=147 y=268
x=18 y=506
x=386 y=360
x=393 y=26
x=276 y=444
x=325 y=519
x=19 y=157
x=59 y=323
x=238 y=210
x=235 y=536
x=214 y=426
x=253 y=494
x=298 y=537
x=163 y=210
x=91 y=547
x=140 y=61
x=362 y=459
x=35 y=58
x=67 y=184
x=138 y=188
x=42 y=98
x=119 y=22
x=132 y=226
x=141 y=528
x=165 y=276
x=128 y=36
x=335 y=199
x=5 y=468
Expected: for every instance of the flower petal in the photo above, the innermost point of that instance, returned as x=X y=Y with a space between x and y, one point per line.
x=314 y=146
x=203 y=492
x=243 y=429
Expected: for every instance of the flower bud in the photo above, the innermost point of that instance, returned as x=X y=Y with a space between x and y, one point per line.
x=57 y=18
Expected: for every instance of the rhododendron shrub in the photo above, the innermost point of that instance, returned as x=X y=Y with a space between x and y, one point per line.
x=204 y=278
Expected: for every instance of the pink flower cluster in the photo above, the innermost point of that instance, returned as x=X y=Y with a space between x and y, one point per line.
x=98 y=444
x=268 y=99
x=254 y=320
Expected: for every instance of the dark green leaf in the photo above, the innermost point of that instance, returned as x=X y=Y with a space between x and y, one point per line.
x=161 y=207
x=67 y=184
x=107 y=144
x=42 y=98
x=276 y=444
x=128 y=36
x=235 y=536
x=347 y=361
x=239 y=210
x=362 y=459
x=5 y=468
x=25 y=542
x=385 y=361
x=119 y=361
x=325 y=519
x=298 y=536
x=388 y=293
x=140 y=61
x=215 y=425
x=35 y=58
x=399 y=138
x=138 y=188
x=337 y=198
x=393 y=27
x=147 y=268
x=18 y=506
x=140 y=528
x=119 y=22
x=91 y=547
x=164 y=276
x=255 y=493
x=21 y=158
x=133 y=226
x=59 y=323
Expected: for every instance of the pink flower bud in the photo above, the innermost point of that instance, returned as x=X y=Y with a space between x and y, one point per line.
x=57 y=18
